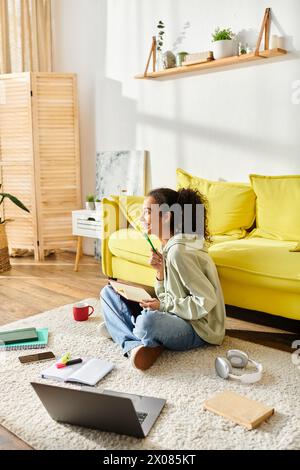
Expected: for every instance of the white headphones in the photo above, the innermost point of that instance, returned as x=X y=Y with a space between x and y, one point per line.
x=238 y=359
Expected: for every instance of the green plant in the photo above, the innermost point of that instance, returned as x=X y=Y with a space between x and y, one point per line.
x=243 y=50
x=160 y=41
x=222 y=34
x=97 y=200
x=13 y=199
x=90 y=198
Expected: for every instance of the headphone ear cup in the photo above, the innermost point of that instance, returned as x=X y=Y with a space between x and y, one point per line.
x=237 y=358
x=223 y=367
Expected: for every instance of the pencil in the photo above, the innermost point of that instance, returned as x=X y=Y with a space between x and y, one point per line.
x=145 y=235
x=150 y=242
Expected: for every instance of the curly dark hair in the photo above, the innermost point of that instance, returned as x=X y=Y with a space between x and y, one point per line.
x=193 y=197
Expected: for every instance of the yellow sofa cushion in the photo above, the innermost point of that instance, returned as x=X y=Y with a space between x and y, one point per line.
x=277 y=207
x=261 y=257
x=231 y=205
x=296 y=248
x=132 y=272
x=130 y=245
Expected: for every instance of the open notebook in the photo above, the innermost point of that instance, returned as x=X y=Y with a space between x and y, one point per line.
x=89 y=372
x=136 y=294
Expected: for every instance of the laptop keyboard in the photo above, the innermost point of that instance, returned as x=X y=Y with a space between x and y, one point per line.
x=142 y=417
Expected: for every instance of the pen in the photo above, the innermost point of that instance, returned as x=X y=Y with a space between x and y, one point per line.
x=69 y=363
x=150 y=242
x=145 y=235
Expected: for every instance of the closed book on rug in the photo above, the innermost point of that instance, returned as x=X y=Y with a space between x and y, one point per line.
x=240 y=409
x=18 y=336
x=88 y=372
x=39 y=343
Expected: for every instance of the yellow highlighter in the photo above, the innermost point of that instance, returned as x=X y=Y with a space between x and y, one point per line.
x=66 y=357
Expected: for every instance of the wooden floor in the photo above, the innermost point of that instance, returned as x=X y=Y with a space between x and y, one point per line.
x=32 y=287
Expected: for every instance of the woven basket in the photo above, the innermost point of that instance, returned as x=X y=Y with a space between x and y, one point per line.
x=4 y=255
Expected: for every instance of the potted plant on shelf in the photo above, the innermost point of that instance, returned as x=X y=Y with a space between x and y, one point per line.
x=98 y=205
x=222 y=43
x=90 y=202
x=4 y=254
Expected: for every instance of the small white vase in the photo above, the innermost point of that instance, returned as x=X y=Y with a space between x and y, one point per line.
x=90 y=206
x=222 y=48
x=98 y=206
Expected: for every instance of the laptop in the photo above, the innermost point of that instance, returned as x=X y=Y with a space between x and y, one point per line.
x=121 y=413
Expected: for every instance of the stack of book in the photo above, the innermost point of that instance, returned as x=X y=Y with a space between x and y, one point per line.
x=26 y=338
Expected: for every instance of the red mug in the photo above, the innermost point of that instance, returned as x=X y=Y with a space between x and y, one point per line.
x=81 y=312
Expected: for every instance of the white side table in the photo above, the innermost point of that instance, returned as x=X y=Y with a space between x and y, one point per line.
x=85 y=224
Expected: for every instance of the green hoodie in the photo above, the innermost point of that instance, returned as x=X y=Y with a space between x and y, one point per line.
x=191 y=288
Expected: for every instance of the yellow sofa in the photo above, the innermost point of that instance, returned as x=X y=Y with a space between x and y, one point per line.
x=258 y=269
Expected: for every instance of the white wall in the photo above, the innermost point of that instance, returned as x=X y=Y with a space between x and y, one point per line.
x=75 y=29
x=221 y=125
x=75 y=24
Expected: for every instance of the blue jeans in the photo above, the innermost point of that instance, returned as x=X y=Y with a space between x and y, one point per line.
x=149 y=328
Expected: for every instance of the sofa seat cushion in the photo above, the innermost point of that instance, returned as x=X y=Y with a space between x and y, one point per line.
x=130 y=245
x=264 y=258
x=256 y=260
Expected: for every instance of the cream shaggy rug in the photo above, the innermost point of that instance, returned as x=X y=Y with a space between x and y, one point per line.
x=185 y=379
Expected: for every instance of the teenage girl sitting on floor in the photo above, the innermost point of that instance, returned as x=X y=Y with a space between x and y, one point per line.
x=189 y=310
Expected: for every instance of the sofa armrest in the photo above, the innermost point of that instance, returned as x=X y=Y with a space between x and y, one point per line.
x=112 y=220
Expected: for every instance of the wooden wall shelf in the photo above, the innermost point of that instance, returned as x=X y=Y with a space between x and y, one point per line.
x=226 y=62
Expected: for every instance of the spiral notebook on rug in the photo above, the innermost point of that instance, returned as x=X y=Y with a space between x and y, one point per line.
x=89 y=372
x=40 y=343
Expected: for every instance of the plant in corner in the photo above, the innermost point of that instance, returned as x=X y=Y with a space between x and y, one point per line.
x=4 y=255
x=13 y=199
x=222 y=43
x=90 y=202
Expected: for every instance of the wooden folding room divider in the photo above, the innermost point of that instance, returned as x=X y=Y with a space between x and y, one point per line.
x=40 y=158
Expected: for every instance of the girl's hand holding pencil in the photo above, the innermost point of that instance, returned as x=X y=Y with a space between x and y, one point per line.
x=156 y=260
x=157 y=263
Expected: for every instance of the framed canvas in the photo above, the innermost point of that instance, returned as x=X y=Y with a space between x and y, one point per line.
x=120 y=173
